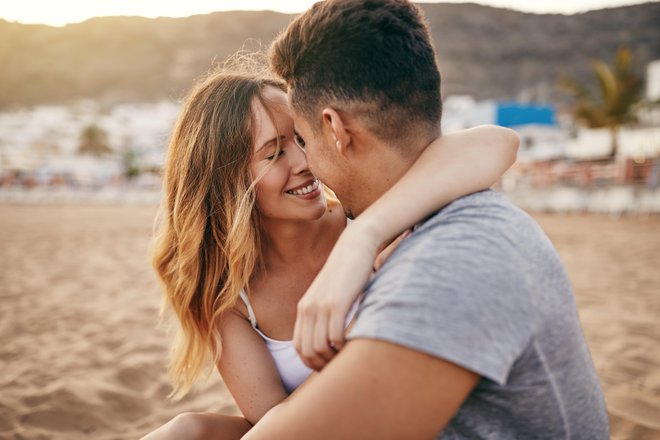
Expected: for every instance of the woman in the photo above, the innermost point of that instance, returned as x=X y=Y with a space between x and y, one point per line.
x=245 y=227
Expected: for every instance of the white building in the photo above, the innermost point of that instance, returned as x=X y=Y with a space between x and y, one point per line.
x=43 y=141
x=653 y=81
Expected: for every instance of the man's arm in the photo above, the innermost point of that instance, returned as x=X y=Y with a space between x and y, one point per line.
x=372 y=389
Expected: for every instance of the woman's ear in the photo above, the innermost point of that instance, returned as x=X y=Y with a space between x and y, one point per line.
x=336 y=124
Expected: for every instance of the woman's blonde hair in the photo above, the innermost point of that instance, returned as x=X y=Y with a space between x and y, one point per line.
x=207 y=242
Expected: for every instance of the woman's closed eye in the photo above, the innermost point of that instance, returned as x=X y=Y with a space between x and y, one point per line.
x=275 y=154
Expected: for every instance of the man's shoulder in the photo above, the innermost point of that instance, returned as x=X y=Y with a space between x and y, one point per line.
x=486 y=215
x=483 y=230
x=459 y=279
x=480 y=207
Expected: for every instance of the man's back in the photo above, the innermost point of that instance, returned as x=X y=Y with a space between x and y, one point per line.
x=480 y=285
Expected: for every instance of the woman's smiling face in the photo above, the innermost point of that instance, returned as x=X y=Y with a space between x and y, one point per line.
x=286 y=190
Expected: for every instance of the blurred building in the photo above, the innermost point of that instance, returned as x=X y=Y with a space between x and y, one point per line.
x=653 y=81
x=649 y=113
x=541 y=136
x=39 y=146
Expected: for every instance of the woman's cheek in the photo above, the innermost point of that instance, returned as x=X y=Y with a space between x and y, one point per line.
x=267 y=195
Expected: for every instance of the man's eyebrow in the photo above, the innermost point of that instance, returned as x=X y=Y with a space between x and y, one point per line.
x=270 y=141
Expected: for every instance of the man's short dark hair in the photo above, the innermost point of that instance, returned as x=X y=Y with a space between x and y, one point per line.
x=371 y=57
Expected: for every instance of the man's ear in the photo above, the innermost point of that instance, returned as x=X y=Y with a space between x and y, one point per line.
x=337 y=124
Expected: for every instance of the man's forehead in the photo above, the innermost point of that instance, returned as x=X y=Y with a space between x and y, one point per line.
x=291 y=99
x=299 y=121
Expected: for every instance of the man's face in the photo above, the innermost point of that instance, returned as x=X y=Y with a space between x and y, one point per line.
x=325 y=162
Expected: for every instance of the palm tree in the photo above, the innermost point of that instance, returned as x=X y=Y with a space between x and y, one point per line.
x=130 y=162
x=94 y=141
x=619 y=90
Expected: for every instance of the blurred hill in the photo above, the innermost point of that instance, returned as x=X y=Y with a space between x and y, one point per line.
x=484 y=51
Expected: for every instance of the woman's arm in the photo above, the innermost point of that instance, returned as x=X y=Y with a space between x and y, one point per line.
x=452 y=166
x=250 y=374
x=248 y=369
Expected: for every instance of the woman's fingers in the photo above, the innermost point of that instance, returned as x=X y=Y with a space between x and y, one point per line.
x=307 y=344
x=323 y=349
x=336 y=330
x=318 y=334
x=309 y=316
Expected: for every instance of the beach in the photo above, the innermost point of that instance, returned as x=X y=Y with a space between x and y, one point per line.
x=83 y=354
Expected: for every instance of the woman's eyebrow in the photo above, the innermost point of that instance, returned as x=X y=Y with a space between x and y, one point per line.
x=270 y=141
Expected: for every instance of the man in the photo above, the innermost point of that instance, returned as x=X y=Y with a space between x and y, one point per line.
x=470 y=328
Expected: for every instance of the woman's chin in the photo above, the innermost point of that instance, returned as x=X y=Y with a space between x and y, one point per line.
x=316 y=213
x=308 y=213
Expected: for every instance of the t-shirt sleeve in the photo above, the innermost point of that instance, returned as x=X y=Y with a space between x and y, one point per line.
x=453 y=290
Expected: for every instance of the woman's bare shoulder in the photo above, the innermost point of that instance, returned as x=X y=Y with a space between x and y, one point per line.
x=239 y=310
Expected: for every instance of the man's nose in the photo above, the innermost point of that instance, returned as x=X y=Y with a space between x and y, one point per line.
x=297 y=160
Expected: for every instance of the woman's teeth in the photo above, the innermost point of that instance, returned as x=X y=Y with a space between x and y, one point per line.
x=305 y=190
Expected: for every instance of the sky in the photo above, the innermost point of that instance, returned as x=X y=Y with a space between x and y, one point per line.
x=61 y=12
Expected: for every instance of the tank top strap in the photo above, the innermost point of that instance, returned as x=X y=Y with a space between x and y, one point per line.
x=252 y=316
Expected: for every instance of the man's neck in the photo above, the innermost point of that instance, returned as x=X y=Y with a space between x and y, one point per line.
x=386 y=168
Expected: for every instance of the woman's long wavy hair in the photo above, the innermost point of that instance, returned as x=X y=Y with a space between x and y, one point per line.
x=207 y=241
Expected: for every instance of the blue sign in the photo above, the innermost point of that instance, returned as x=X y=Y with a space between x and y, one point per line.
x=511 y=114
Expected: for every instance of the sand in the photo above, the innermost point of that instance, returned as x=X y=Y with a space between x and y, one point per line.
x=614 y=264
x=82 y=355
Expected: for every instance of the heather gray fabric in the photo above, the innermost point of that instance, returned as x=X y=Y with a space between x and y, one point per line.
x=480 y=285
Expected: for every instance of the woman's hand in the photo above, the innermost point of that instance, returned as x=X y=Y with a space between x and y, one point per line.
x=322 y=311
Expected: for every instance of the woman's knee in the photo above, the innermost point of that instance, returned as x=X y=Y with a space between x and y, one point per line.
x=189 y=426
x=201 y=425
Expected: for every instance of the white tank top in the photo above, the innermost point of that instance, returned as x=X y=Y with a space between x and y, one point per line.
x=293 y=371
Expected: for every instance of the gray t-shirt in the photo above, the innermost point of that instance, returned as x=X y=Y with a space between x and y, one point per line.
x=480 y=285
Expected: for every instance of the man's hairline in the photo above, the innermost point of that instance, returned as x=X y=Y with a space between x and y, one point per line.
x=339 y=106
